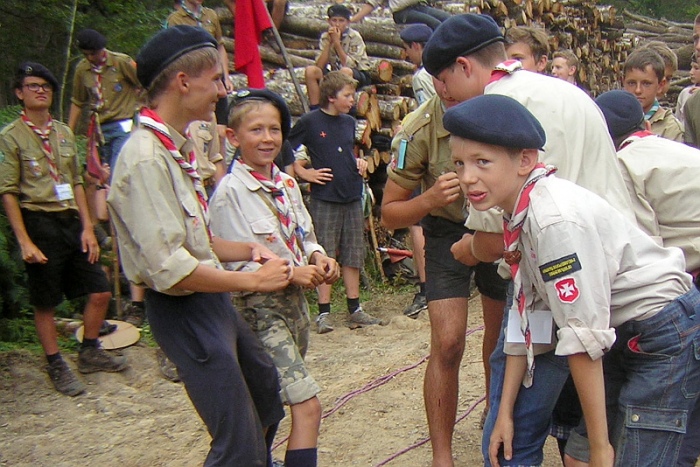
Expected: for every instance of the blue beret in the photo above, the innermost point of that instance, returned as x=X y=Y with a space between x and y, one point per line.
x=265 y=95
x=339 y=10
x=495 y=119
x=89 y=39
x=623 y=112
x=35 y=69
x=459 y=36
x=166 y=47
x=416 y=33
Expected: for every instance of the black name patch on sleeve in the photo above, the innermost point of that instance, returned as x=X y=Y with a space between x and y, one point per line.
x=560 y=267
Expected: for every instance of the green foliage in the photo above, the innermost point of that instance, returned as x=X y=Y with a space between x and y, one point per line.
x=675 y=10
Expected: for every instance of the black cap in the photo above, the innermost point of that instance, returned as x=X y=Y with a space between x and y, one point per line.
x=495 y=119
x=339 y=10
x=416 y=33
x=89 y=39
x=623 y=112
x=265 y=95
x=35 y=69
x=166 y=47
x=458 y=36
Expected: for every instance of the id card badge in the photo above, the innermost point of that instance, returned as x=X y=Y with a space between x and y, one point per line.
x=401 y=162
x=64 y=191
x=540 y=327
x=126 y=125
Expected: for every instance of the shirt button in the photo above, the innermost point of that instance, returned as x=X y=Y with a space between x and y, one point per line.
x=635 y=418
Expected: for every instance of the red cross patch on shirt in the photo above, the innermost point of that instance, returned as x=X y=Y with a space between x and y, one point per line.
x=567 y=290
x=323 y=134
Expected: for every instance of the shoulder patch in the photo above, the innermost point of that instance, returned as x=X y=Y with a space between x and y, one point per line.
x=560 y=267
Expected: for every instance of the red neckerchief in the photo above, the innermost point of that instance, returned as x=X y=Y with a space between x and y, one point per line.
x=45 y=143
x=636 y=136
x=504 y=69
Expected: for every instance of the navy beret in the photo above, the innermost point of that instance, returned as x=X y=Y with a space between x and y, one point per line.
x=265 y=95
x=89 y=39
x=495 y=119
x=416 y=33
x=339 y=10
x=458 y=36
x=35 y=69
x=166 y=47
x=623 y=112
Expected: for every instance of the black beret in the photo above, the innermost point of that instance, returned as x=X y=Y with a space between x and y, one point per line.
x=89 y=39
x=458 y=36
x=38 y=70
x=265 y=95
x=166 y=47
x=623 y=112
x=416 y=33
x=495 y=119
x=339 y=10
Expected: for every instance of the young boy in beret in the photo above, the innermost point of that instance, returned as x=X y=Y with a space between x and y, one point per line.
x=42 y=192
x=414 y=38
x=257 y=202
x=624 y=312
x=159 y=208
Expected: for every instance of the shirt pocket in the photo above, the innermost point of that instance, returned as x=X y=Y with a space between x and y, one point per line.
x=34 y=165
x=265 y=231
x=196 y=231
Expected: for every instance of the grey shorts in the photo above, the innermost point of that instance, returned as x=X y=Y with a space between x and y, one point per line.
x=281 y=322
x=340 y=230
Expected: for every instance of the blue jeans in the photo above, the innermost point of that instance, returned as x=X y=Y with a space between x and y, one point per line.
x=421 y=13
x=115 y=137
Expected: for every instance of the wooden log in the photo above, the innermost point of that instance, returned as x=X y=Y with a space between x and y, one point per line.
x=381 y=71
x=389 y=110
x=361 y=103
x=373 y=115
x=388 y=89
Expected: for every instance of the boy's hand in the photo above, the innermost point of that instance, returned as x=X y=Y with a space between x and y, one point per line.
x=32 y=254
x=334 y=34
x=361 y=166
x=328 y=265
x=260 y=253
x=317 y=176
x=445 y=190
x=274 y=275
x=462 y=250
x=502 y=434
x=308 y=277
x=89 y=245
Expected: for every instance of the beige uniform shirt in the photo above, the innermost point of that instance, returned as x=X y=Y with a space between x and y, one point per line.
x=666 y=125
x=24 y=166
x=206 y=146
x=160 y=227
x=209 y=21
x=427 y=155
x=692 y=120
x=663 y=178
x=354 y=47
x=120 y=87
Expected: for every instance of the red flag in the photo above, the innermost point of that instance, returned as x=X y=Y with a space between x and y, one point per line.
x=251 y=20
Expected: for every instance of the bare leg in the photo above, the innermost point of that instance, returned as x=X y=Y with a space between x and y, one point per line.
x=312 y=77
x=94 y=313
x=351 y=279
x=306 y=421
x=46 y=329
x=277 y=12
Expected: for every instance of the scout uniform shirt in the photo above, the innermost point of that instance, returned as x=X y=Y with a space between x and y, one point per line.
x=209 y=21
x=119 y=85
x=692 y=121
x=423 y=87
x=666 y=125
x=425 y=155
x=153 y=204
x=207 y=148
x=24 y=166
x=354 y=47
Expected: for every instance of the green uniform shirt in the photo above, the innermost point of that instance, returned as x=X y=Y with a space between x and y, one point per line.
x=209 y=21
x=24 y=168
x=120 y=87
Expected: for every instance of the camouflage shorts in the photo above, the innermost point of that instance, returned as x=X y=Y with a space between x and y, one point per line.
x=281 y=322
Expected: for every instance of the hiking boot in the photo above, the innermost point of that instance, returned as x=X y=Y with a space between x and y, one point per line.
x=361 y=318
x=167 y=367
x=93 y=359
x=63 y=379
x=135 y=315
x=107 y=328
x=419 y=304
x=322 y=324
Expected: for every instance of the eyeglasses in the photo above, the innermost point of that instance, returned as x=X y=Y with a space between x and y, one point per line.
x=34 y=87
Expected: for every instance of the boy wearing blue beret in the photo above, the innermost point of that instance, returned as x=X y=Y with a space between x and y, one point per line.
x=589 y=285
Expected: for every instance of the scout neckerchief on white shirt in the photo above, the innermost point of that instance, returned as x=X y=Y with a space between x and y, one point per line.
x=512 y=227
x=282 y=206
x=652 y=110
x=504 y=69
x=196 y=15
x=45 y=144
x=151 y=120
x=636 y=136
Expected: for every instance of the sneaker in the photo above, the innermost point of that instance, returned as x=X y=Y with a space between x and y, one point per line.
x=63 y=379
x=93 y=359
x=135 y=315
x=419 y=304
x=107 y=328
x=363 y=319
x=322 y=324
x=167 y=367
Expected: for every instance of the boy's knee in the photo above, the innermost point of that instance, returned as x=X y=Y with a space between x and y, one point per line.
x=100 y=298
x=448 y=351
x=310 y=409
x=313 y=72
x=346 y=71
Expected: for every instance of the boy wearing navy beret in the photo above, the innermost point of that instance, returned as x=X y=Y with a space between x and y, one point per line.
x=590 y=286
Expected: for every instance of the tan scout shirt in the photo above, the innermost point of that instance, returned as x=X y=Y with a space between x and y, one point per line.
x=120 y=87
x=692 y=120
x=666 y=125
x=24 y=167
x=207 y=147
x=354 y=47
x=159 y=223
x=662 y=177
x=427 y=155
x=209 y=21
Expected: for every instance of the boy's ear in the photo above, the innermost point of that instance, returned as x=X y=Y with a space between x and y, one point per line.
x=528 y=159
x=231 y=137
x=466 y=65
x=182 y=81
x=541 y=64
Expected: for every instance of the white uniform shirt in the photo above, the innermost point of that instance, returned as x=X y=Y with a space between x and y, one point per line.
x=239 y=213
x=609 y=271
x=423 y=87
x=578 y=143
x=663 y=179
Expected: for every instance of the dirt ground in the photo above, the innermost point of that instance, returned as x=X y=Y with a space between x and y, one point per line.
x=372 y=397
